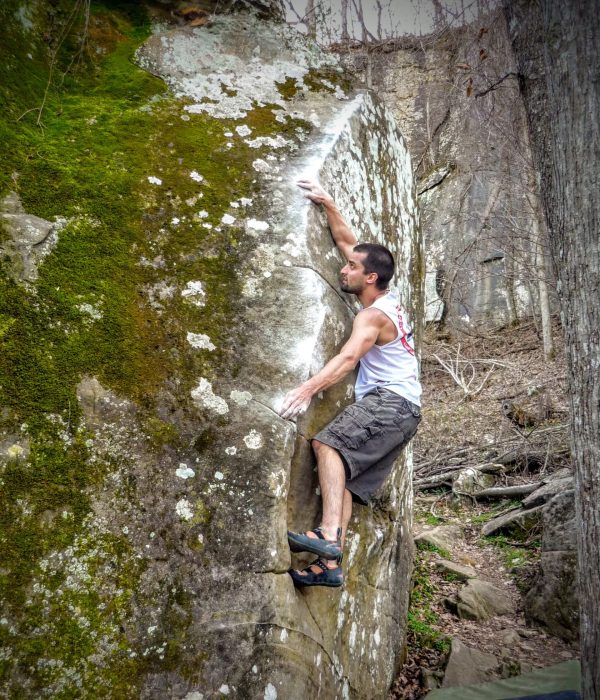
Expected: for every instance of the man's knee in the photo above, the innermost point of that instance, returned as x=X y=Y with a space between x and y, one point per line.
x=320 y=447
x=316 y=445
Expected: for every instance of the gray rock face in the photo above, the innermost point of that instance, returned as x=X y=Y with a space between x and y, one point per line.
x=472 y=158
x=257 y=477
x=466 y=665
x=553 y=601
x=480 y=600
x=178 y=547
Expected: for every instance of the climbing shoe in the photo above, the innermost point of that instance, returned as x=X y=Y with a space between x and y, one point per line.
x=332 y=578
x=327 y=549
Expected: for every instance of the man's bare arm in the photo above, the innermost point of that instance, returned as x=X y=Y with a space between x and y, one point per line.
x=365 y=331
x=342 y=234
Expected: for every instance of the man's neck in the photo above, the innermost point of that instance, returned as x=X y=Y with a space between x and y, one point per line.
x=369 y=296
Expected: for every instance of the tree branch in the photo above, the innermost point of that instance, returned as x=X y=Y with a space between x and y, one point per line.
x=493 y=86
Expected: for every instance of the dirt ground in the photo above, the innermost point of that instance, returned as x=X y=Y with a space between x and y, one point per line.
x=487 y=397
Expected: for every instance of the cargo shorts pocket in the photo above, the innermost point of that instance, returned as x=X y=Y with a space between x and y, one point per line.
x=356 y=427
x=407 y=419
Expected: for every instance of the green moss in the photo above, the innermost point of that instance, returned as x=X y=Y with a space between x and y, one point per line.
x=97 y=310
x=491 y=513
x=422 y=620
x=513 y=554
x=326 y=79
x=288 y=89
x=423 y=546
x=160 y=432
x=430 y=519
x=202 y=514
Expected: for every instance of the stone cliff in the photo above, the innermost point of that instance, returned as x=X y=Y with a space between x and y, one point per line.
x=163 y=285
x=455 y=96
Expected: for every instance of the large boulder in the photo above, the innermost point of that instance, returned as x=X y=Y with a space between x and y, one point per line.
x=150 y=480
x=480 y=600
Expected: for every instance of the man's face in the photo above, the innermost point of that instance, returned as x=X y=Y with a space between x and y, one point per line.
x=353 y=278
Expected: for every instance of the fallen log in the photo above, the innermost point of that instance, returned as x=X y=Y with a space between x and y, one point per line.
x=508 y=491
x=445 y=478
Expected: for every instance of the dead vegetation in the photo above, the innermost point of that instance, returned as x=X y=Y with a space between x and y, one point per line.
x=491 y=400
x=492 y=406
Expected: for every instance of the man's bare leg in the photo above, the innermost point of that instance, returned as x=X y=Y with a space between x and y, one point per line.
x=332 y=481
x=337 y=500
x=346 y=514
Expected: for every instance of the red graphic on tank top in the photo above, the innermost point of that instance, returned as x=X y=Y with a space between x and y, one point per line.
x=403 y=333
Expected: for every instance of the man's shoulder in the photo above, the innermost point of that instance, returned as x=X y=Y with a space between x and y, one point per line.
x=371 y=314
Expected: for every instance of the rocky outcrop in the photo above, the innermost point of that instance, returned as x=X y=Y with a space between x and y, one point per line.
x=553 y=600
x=456 y=98
x=29 y=238
x=551 y=584
x=149 y=466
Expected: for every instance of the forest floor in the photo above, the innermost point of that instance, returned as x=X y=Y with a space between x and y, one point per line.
x=487 y=398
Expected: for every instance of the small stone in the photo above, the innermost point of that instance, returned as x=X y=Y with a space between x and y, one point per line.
x=480 y=600
x=463 y=573
x=510 y=637
x=527 y=634
x=467 y=666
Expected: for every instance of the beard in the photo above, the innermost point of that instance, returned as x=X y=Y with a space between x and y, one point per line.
x=349 y=288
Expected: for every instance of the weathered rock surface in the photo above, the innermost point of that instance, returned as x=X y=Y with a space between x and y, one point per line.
x=553 y=599
x=480 y=600
x=467 y=665
x=160 y=558
x=29 y=238
x=442 y=536
x=473 y=161
x=460 y=571
x=471 y=481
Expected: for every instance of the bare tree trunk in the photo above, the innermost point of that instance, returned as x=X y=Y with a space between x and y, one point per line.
x=539 y=265
x=345 y=36
x=556 y=45
x=311 y=19
x=379 y=11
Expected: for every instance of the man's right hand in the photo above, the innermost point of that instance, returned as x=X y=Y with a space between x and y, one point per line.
x=296 y=402
x=314 y=192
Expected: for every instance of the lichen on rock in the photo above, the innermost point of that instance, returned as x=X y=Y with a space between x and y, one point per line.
x=142 y=367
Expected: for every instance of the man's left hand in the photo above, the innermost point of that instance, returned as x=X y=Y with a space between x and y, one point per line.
x=295 y=402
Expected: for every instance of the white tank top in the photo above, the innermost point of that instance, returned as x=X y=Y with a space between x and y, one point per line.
x=391 y=366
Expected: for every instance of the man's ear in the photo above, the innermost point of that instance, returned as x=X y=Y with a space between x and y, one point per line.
x=372 y=278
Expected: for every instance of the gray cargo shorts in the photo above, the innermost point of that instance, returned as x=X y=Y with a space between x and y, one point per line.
x=369 y=435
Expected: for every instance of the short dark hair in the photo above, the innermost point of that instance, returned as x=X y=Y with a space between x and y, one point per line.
x=378 y=259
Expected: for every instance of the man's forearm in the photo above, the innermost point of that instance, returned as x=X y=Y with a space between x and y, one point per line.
x=340 y=231
x=342 y=234
x=335 y=370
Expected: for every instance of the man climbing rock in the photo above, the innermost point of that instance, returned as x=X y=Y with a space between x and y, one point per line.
x=356 y=451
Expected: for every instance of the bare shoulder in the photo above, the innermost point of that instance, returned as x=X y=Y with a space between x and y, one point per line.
x=380 y=323
x=369 y=317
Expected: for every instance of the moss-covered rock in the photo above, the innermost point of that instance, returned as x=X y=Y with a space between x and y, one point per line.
x=144 y=471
